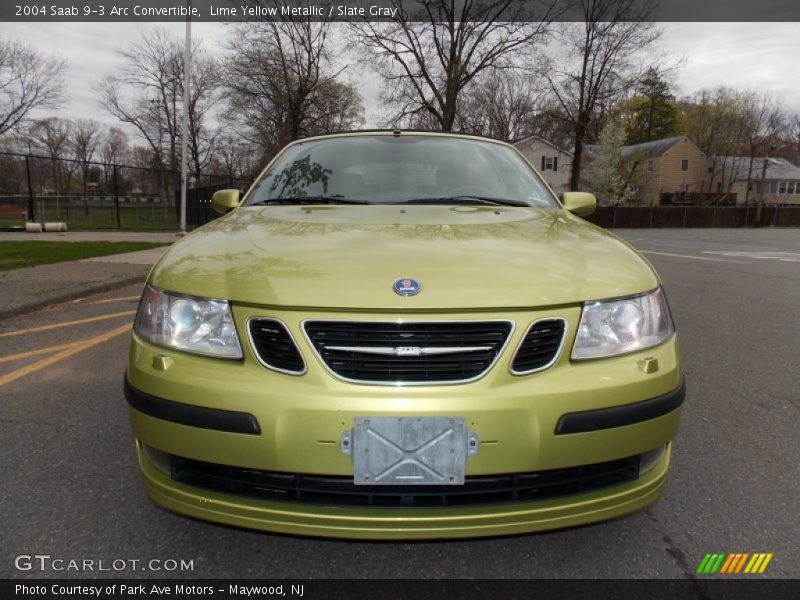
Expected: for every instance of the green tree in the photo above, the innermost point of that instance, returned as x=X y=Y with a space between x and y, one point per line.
x=604 y=176
x=652 y=112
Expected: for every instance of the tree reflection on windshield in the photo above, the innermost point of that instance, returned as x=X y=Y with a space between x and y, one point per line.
x=297 y=176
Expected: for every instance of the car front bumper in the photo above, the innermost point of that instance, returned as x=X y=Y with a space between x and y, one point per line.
x=405 y=523
x=241 y=414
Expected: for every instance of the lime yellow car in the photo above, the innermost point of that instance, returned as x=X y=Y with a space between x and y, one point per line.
x=403 y=335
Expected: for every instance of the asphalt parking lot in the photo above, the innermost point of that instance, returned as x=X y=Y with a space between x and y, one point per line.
x=71 y=488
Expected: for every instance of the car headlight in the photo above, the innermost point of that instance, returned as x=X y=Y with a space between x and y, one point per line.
x=199 y=325
x=619 y=326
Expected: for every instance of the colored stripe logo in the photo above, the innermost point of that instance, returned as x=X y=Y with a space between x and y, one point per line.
x=737 y=562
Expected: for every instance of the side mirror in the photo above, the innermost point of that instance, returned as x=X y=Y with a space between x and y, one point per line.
x=225 y=200
x=581 y=204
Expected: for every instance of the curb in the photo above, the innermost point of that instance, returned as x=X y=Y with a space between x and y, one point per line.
x=67 y=296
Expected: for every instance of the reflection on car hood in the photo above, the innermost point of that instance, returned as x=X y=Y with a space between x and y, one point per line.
x=465 y=257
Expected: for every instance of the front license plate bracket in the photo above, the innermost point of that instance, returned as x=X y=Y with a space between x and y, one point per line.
x=409 y=450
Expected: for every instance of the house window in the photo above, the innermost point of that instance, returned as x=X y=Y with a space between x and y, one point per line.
x=650 y=165
x=782 y=187
x=549 y=163
x=773 y=187
x=684 y=165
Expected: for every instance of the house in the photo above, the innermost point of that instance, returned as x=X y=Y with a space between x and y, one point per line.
x=671 y=168
x=554 y=163
x=755 y=179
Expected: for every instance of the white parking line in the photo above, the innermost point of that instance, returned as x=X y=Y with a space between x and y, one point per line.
x=741 y=262
x=759 y=255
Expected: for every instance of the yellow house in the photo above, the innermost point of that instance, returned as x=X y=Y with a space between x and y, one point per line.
x=757 y=179
x=674 y=166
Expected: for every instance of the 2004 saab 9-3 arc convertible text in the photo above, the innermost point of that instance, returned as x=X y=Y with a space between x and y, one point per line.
x=403 y=335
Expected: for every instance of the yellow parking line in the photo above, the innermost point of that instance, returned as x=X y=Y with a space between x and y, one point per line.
x=68 y=323
x=115 y=300
x=22 y=355
x=66 y=353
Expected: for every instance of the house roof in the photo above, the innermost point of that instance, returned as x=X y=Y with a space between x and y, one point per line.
x=777 y=168
x=652 y=149
x=544 y=141
x=646 y=149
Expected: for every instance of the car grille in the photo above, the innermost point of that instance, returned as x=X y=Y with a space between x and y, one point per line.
x=540 y=347
x=340 y=491
x=274 y=346
x=387 y=352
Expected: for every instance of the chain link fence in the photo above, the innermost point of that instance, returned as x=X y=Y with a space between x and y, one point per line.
x=93 y=195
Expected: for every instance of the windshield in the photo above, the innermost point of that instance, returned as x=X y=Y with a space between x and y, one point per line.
x=385 y=169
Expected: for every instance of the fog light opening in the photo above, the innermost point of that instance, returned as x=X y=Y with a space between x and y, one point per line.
x=649 y=459
x=159 y=459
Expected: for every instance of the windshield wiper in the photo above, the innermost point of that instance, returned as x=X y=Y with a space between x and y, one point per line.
x=466 y=200
x=308 y=200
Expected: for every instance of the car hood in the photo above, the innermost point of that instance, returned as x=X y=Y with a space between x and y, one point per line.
x=347 y=256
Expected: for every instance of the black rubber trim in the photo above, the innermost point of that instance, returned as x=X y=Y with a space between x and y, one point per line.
x=194 y=416
x=618 y=416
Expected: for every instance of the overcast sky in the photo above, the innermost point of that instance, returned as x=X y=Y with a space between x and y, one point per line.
x=762 y=56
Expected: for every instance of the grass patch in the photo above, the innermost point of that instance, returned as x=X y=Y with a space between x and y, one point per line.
x=16 y=255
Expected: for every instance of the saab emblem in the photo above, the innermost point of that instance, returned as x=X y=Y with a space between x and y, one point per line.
x=406 y=287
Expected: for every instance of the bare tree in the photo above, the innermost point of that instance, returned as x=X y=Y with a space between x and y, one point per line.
x=84 y=140
x=434 y=49
x=599 y=64
x=233 y=158
x=51 y=137
x=282 y=83
x=336 y=107
x=148 y=94
x=503 y=105
x=28 y=80
x=113 y=148
x=763 y=121
x=203 y=94
x=733 y=127
x=713 y=120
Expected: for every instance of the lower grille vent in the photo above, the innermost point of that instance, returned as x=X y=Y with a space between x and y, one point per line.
x=341 y=491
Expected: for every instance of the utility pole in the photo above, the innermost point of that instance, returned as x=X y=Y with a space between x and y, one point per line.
x=761 y=193
x=187 y=60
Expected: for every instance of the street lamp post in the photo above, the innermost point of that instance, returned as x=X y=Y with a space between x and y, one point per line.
x=187 y=60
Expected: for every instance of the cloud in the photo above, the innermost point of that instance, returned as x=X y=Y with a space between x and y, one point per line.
x=759 y=56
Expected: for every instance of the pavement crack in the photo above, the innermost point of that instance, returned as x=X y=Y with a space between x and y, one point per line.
x=679 y=556
x=19 y=422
